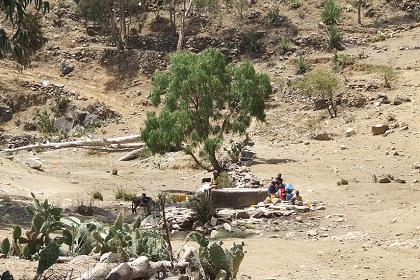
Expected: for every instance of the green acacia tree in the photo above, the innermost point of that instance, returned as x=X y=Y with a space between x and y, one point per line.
x=25 y=34
x=205 y=99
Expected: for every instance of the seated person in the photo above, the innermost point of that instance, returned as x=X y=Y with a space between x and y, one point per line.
x=289 y=192
x=281 y=194
x=213 y=181
x=297 y=199
x=273 y=187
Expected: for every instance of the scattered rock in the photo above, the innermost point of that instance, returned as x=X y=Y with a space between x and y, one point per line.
x=323 y=136
x=384 y=179
x=3 y=256
x=400 y=181
x=311 y=233
x=110 y=258
x=342 y=182
x=213 y=221
x=66 y=68
x=242 y=214
x=99 y=272
x=213 y=234
x=350 y=132
x=379 y=129
x=227 y=227
x=34 y=163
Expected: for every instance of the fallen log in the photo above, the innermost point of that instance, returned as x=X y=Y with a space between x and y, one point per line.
x=131 y=155
x=77 y=143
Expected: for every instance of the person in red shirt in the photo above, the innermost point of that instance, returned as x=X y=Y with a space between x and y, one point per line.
x=281 y=194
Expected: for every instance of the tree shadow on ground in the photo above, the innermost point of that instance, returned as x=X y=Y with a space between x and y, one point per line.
x=122 y=66
x=273 y=161
x=395 y=20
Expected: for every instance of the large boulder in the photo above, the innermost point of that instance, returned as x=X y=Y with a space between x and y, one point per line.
x=379 y=129
x=64 y=124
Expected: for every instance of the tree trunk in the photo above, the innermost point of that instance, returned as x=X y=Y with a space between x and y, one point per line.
x=359 y=12
x=123 y=27
x=214 y=162
x=173 y=19
x=185 y=11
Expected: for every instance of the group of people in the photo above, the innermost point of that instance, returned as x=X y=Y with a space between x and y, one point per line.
x=283 y=192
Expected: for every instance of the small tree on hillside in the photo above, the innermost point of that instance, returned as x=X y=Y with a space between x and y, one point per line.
x=205 y=99
x=322 y=85
x=26 y=35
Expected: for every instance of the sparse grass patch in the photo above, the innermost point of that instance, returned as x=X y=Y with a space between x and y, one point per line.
x=301 y=65
x=253 y=41
x=387 y=73
x=274 y=18
x=341 y=61
x=97 y=195
x=334 y=37
x=331 y=12
x=125 y=195
x=283 y=45
x=294 y=4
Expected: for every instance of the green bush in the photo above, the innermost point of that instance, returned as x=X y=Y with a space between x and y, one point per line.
x=125 y=195
x=331 y=12
x=323 y=86
x=301 y=65
x=224 y=180
x=97 y=195
x=203 y=207
x=283 y=45
x=334 y=37
x=341 y=61
x=61 y=103
x=44 y=122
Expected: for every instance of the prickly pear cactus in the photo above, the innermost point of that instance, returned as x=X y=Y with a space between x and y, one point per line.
x=6 y=276
x=214 y=258
x=236 y=254
x=47 y=257
x=5 y=246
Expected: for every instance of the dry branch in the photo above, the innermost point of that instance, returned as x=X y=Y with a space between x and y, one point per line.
x=131 y=155
x=79 y=143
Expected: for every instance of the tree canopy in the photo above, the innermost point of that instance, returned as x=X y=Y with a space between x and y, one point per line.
x=204 y=100
x=26 y=35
